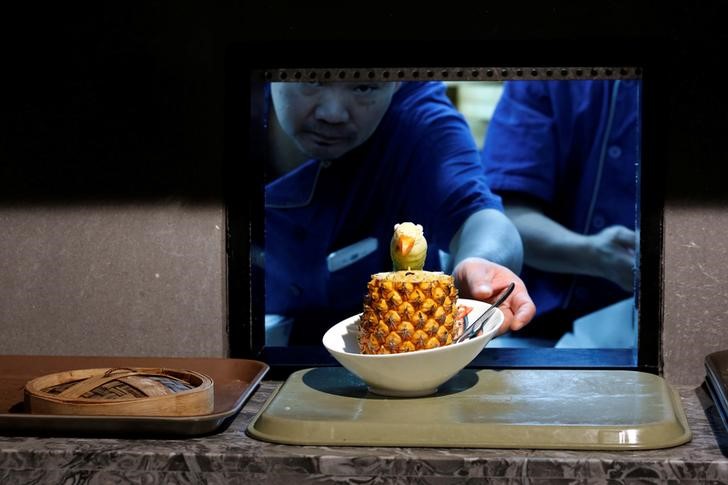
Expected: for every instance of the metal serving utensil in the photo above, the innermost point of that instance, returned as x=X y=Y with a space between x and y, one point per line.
x=475 y=327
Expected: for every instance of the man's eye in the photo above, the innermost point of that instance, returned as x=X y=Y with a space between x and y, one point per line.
x=365 y=88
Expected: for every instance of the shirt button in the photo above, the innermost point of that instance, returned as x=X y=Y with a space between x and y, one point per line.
x=598 y=222
x=614 y=151
x=299 y=233
x=296 y=290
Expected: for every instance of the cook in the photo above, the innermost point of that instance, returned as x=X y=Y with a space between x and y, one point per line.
x=349 y=160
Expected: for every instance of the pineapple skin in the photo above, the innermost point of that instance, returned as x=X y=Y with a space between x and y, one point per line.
x=405 y=311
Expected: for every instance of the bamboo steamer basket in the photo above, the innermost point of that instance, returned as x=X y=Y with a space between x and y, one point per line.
x=121 y=392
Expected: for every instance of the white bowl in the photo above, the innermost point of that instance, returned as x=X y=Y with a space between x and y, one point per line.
x=409 y=374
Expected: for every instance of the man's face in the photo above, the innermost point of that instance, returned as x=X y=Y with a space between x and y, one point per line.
x=327 y=120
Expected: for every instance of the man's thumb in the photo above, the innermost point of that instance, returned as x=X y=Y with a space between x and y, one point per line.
x=481 y=291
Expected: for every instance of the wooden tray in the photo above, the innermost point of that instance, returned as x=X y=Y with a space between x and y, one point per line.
x=235 y=380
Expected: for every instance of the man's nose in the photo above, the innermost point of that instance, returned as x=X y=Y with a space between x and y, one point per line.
x=332 y=108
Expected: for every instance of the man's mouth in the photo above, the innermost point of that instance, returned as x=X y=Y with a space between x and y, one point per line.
x=326 y=140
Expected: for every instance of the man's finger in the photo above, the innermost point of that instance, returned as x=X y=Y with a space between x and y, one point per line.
x=481 y=291
x=523 y=314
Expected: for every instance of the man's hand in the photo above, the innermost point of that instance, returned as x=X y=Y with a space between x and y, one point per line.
x=613 y=255
x=480 y=279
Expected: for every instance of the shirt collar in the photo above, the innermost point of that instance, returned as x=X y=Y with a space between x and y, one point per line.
x=295 y=188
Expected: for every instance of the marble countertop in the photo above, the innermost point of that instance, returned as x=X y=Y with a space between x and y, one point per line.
x=231 y=457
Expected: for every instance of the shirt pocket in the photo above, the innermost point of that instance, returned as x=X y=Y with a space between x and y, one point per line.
x=347 y=286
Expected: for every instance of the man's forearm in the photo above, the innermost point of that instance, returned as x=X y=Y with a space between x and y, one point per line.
x=490 y=235
x=548 y=245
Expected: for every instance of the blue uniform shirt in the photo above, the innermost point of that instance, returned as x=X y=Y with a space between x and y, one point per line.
x=420 y=165
x=572 y=146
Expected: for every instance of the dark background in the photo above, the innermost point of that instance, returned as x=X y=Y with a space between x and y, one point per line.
x=135 y=101
x=128 y=99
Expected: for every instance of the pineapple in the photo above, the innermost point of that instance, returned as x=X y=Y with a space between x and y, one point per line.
x=408 y=310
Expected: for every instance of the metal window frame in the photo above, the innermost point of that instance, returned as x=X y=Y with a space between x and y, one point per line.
x=248 y=70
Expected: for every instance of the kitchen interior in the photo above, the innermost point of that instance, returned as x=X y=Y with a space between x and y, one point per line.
x=114 y=246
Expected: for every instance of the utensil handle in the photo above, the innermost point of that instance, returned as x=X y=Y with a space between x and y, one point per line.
x=477 y=325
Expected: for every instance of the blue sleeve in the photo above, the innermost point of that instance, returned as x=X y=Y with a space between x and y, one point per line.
x=521 y=147
x=450 y=170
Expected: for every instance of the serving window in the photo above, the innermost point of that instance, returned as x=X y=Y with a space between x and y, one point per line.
x=565 y=145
